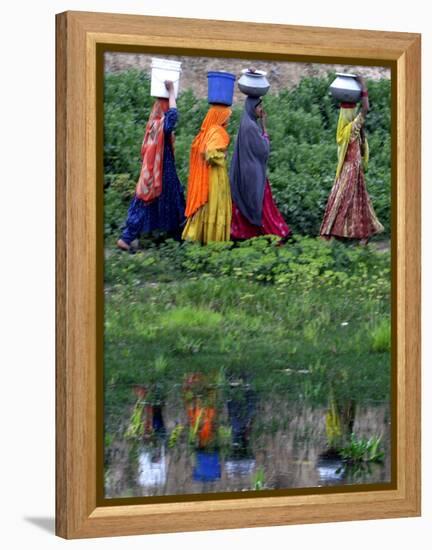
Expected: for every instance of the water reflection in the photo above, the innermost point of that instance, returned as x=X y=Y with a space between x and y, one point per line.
x=207 y=466
x=240 y=467
x=195 y=442
x=330 y=471
x=241 y=407
x=152 y=467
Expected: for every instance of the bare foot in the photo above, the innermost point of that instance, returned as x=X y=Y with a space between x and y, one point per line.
x=363 y=242
x=122 y=245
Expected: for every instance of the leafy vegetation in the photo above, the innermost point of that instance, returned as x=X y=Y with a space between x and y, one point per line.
x=302 y=321
x=361 y=450
x=381 y=337
x=302 y=164
x=298 y=318
x=258 y=479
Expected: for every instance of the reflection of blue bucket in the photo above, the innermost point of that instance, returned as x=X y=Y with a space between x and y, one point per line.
x=207 y=466
x=220 y=87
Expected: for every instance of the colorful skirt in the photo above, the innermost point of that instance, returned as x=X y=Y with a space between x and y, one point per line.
x=349 y=212
x=272 y=220
x=212 y=222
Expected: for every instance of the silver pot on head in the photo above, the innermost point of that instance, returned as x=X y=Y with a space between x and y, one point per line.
x=253 y=83
x=345 y=88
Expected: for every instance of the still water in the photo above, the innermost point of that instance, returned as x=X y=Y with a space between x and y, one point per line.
x=266 y=446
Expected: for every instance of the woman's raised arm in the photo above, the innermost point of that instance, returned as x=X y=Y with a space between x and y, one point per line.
x=169 y=85
x=364 y=96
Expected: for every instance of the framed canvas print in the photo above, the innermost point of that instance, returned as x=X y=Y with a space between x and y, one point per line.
x=238 y=274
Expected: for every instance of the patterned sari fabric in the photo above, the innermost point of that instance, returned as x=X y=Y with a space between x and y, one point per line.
x=166 y=212
x=208 y=204
x=149 y=185
x=349 y=212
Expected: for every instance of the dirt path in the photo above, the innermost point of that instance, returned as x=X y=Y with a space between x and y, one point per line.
x=382 y=246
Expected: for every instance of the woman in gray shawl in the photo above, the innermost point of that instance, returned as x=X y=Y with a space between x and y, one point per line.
x=254 y=210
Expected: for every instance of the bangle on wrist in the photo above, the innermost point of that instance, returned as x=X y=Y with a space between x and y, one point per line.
x=364 y=93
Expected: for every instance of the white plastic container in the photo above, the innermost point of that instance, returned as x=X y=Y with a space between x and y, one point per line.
x=161 y=70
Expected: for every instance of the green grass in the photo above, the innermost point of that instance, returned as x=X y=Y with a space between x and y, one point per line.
x=166 y=316
x=381 y=336
x=302 y=321
x=361 y=450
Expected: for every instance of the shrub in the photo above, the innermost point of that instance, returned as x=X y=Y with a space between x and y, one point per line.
x=302 y=164
x=381 y=336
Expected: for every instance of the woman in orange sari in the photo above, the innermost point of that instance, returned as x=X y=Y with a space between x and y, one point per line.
x=208 y=202
x=349 y=212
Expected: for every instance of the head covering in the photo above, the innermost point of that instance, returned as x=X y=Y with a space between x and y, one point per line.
x=343 y=135
x=149 y=185
x=212 y=136
x=248 y=165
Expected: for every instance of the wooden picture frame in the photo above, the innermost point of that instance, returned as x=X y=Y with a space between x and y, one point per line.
x=79 y=312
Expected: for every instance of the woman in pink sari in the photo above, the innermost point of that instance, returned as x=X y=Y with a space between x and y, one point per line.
x=254 y=210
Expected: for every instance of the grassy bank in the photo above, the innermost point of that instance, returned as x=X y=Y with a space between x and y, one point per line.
x=299 y=320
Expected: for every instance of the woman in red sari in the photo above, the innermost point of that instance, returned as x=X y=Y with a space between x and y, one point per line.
x=254 y=210
x=158 y=204
x=349 y=213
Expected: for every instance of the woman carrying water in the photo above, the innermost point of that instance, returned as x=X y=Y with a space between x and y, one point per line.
x=349 y=213
x=159 y=200
x=254 y=210
x=208 y=203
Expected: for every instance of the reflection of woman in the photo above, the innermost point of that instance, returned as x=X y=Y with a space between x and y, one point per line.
x=200 y=401
x=349 y=212
x=208 y=205
x=159 y=201
x=254 y=211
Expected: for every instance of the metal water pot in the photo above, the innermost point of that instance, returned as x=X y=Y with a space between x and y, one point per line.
x=254 y=83
x=345 y=88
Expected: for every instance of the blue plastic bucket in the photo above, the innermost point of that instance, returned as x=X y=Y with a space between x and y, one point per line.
x=220 y=87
